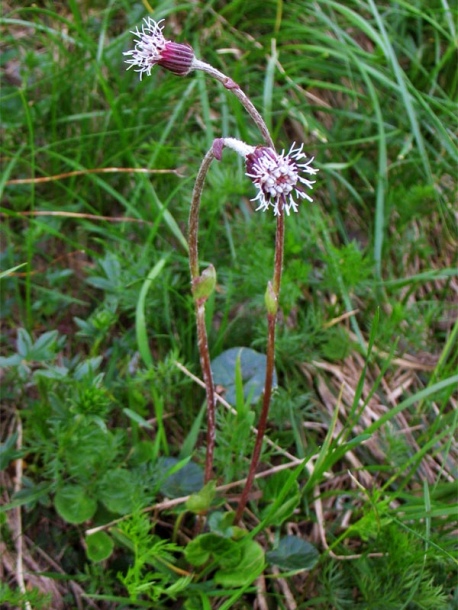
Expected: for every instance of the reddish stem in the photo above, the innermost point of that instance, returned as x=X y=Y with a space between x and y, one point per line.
x=271 y=322
x=202 y=339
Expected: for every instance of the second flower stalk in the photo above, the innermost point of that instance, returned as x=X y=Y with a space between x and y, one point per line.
x=282 y=182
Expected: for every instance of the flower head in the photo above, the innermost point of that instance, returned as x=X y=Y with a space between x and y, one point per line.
x=280 y=178
x=152 y=48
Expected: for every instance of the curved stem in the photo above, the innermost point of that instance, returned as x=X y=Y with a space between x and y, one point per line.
x=193 y=223
x=242 y=97
x=202 y=338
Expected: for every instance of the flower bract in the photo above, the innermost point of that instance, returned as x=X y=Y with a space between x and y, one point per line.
x=152 y=48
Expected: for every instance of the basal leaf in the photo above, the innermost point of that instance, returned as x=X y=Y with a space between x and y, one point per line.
x=99 y=546
x=74 y=505
x=293 y=553
x=253 y=369
x=117 y=491
x=185 y=481
x=247 y=568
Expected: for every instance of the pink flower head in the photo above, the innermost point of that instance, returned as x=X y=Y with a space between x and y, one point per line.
x=152 y=48
x=280 y=179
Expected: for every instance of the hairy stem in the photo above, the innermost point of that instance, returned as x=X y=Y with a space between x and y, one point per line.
x=202 y=339
x=271 y=323
x=240 y=95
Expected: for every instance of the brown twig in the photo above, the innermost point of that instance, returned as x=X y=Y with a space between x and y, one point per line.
x=62 y=214
x=18 y=537
x=101 y=170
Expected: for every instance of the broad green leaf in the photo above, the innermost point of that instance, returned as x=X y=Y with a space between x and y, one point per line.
x=185 y=481
x=293 y=553
x=222 y=523
x=74 y=505
x=211 y=546
x=246 y=569
x=99 y=546
x=117 y=491
x=195 y=554
x=253 y=369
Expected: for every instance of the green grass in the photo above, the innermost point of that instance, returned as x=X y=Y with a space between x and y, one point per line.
x=96 y=305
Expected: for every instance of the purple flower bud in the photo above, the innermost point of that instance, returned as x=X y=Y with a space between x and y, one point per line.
x=152 y=48
x=178 y=58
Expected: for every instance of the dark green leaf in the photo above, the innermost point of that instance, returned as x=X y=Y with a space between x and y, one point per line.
x=253 y=369
x=293 y=553
x=185 y=481
x=221 y=523
x=207 y=546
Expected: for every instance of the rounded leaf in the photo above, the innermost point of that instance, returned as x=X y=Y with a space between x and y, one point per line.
x=293 y=554
x=99 y=546
x=117 y=491
x=253 y=366
x=207 y=546
x=187 y=480
x=248 y=568
x=74 y=505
